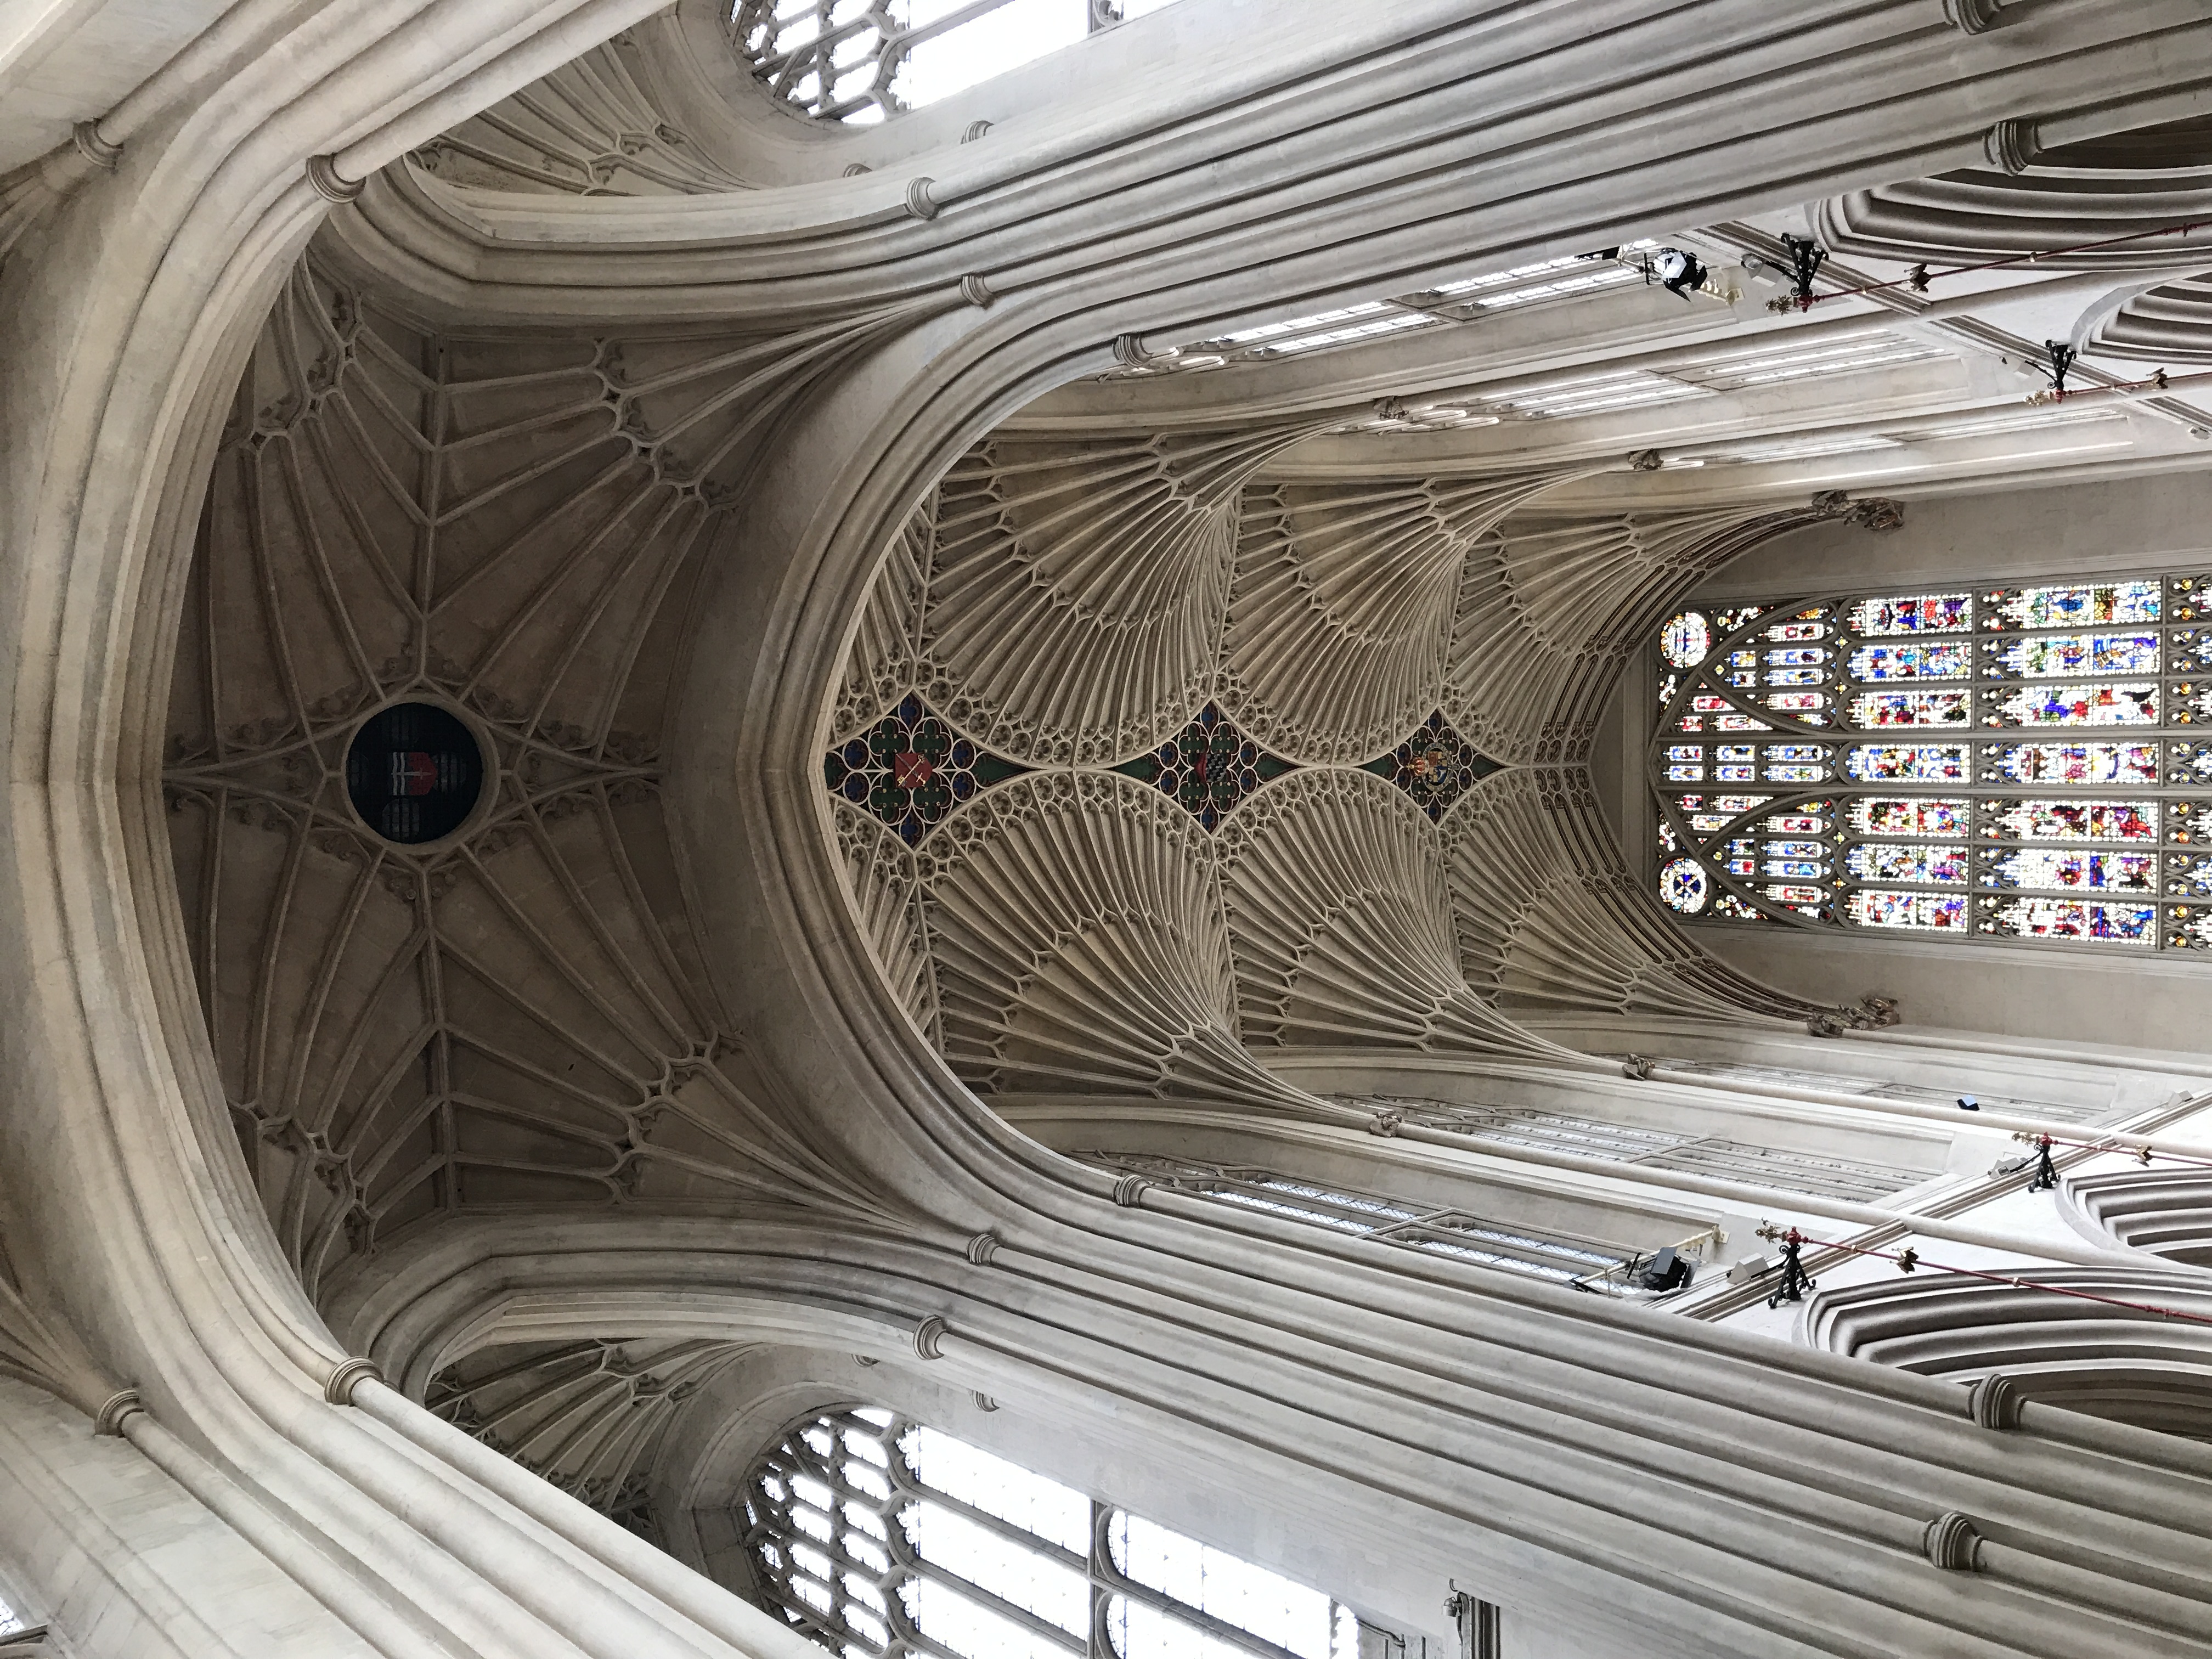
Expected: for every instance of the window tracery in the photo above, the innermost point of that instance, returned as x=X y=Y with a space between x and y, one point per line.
x=880 y=1537
x=2020 y=763
x=1604 y=1266
x=857 y=61
x=1463 y=300
x=1830 y=1175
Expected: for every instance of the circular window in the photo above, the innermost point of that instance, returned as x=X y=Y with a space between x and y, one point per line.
x=1687 y=640
x=1685 y=886
x=414 y=772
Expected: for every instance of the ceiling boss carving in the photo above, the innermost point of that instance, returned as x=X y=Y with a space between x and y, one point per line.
x=1318 y=839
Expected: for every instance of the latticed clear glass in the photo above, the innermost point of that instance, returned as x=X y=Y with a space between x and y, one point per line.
x=878 y=1536
x=2019 y=762
x=1603 y=1266
x=859 y=60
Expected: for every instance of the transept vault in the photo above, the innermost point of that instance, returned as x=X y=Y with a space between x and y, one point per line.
x=1048 y=873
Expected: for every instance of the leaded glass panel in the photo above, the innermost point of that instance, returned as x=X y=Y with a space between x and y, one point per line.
x=2072 y=705
x=1873 y=710
x=1946 y=763
x=882 y=1538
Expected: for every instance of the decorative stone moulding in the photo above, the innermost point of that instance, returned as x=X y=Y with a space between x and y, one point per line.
x=1208 y=769
x=929 y=1337
x=1435 y=766
x=1951 y=1542
x=323 y=174
x=975 y=290
x=1980 y=17
x=982 y=1247
x=85 y=135
x=1973 y=16
x=919 y=202
x=1129 y=1191
x=1995 y=1401
x=348 y=1377
x=114 y=1409
x=1130 y=351
x=2012 y=145
x=1878 y=513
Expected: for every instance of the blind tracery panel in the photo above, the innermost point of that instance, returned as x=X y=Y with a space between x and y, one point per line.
x=2024 y=763
x=880 y=1537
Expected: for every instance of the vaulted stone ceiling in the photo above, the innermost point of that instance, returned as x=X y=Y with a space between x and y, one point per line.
x=517 y=1015
x=1153 y=633
x=509 y=525
x=1222 y=757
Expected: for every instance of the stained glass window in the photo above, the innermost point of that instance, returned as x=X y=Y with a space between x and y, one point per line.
x=881 y=1538
x=1945 y=764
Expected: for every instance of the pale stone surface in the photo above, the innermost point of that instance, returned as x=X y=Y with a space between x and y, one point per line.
x=662 y=1087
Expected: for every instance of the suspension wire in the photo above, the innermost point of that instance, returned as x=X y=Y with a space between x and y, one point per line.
x=1921 y=275
x=1909 y=1260
x=2143 y=1154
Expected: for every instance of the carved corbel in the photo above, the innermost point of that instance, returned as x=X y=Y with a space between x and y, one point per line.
x=1880 y=513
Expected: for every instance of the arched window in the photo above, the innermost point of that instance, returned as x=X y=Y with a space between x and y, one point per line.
x=861 y=60
x=1969 y=763
x=19 y=1633
x=880 y=1537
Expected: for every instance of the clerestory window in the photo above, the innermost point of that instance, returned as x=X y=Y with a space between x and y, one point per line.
x=857 y=61
x=880 y=1537
x=1967 y=762
x=1597 y=1265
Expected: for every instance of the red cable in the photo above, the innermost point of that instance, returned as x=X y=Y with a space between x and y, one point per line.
x=1919 y=1260
x=2114 y=1147
x=1808 y=301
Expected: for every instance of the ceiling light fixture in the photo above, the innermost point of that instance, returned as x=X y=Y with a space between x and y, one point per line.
x=1806 y=258
x=1678 y=271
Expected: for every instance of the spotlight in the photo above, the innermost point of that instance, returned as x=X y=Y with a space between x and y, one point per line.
x=1968 y=1103
x=2062 y=357
x=1680 y=272
x=1806 y=258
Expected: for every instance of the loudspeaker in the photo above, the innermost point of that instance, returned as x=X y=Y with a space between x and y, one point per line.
x=1668 y=1272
